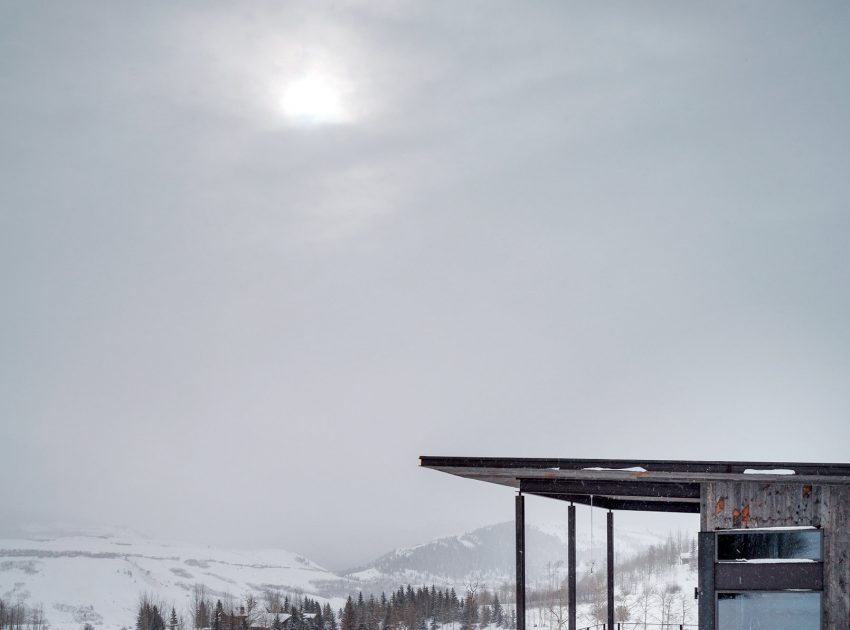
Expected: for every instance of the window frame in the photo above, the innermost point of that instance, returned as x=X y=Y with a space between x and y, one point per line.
x=763 y=531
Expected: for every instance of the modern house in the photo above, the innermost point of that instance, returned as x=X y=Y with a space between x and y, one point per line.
x=774 y=540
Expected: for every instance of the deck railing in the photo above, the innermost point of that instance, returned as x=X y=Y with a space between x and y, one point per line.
x=639 y=625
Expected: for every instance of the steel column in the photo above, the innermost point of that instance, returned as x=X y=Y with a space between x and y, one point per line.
x=610 y=575
x=706 y=553
x=571 y=565
x=520 y=562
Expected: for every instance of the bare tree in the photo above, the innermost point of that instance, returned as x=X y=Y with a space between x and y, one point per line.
x=667 y=598
x=646 y=594
x=273 y=601
x=37 y=619
x=685 y=607
x=250 y=605
x=556 y=599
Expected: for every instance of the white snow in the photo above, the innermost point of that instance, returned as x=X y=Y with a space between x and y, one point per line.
x=756 y=530
x=768 y=561
x=632 y=469
x=99 y=578
x=769 y=471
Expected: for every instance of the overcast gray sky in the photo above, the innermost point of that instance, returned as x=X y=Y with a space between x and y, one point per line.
x=255 y=258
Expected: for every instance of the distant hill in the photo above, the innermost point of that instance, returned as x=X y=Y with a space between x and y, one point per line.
x=487 y=556
x=98 y=577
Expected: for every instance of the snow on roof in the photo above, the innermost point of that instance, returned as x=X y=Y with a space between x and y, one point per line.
x=757 y=530
x=771 y=471
x=266 y=619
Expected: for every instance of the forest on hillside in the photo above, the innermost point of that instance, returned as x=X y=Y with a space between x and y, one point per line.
x=649 y=588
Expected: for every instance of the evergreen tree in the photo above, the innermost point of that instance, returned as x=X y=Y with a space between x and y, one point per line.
x=295 y=621
x=202 y=615
x=498 y=612
x=142 y=617
x=157 y=622
x=348 y=620
x=485 y=616
x=330 y=618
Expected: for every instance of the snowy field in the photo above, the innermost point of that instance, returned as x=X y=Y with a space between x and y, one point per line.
x=99 y=579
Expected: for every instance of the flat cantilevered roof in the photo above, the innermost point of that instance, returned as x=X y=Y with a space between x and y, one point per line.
x=629 y=484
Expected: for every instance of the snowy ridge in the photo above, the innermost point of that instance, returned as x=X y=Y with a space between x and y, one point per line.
x=98 y=579
x=487 y=554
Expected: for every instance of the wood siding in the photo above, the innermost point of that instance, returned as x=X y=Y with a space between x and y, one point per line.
x=751 y=504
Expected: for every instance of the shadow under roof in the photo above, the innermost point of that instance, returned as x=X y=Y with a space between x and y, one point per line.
x=629 y=484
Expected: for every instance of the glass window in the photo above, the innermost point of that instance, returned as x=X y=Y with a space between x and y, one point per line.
x=768 y=611
x=798 y=544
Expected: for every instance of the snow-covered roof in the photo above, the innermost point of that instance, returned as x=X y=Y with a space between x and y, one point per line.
x=649 y=485
x=266 y=619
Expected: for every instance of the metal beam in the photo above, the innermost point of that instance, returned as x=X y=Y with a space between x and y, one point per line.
x=614 y=488
x=520 y=562
x=690 y=467
x=610 y=574
x=641 y=505
x=571 y=566
x=781 y=576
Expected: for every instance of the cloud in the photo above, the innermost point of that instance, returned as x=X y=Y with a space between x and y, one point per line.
x=551 y=230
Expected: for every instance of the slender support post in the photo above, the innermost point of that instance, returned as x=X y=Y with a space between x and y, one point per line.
x=706 y=592
x=610 y=569
x=520 y=562
x=571 y=565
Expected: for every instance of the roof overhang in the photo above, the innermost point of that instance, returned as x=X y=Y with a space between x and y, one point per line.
x=617 y=484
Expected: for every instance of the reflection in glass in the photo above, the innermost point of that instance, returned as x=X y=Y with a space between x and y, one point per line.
x=768 y=611
x=761 y=545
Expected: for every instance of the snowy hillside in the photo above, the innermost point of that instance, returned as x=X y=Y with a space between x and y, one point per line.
x=98 y=579
x=487 y=555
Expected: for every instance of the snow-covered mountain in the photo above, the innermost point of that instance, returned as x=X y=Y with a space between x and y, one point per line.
x=98 y=578
x=486 y=555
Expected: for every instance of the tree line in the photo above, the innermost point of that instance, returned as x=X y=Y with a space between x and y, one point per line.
x=19 y=616
x=408 y=608
x=426 y=608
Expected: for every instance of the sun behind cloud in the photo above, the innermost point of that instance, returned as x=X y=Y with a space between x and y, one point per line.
x=314 y=99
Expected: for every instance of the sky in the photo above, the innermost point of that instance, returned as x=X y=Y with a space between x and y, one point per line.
x=256 y=258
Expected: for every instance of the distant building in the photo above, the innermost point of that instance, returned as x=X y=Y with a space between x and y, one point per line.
x=774 y=540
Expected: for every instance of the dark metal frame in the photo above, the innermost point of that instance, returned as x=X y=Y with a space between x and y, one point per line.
x=520 y=562
x=706 y=554
x=729 y=576
x=761 y=530
x=780 y=576
x=571 y=564
x=689 y=467
x=610 y=569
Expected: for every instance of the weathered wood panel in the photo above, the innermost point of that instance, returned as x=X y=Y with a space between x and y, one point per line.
x=835 y=519
x=736 y=504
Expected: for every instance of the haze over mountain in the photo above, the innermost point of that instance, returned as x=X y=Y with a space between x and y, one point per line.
x=97 y=576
